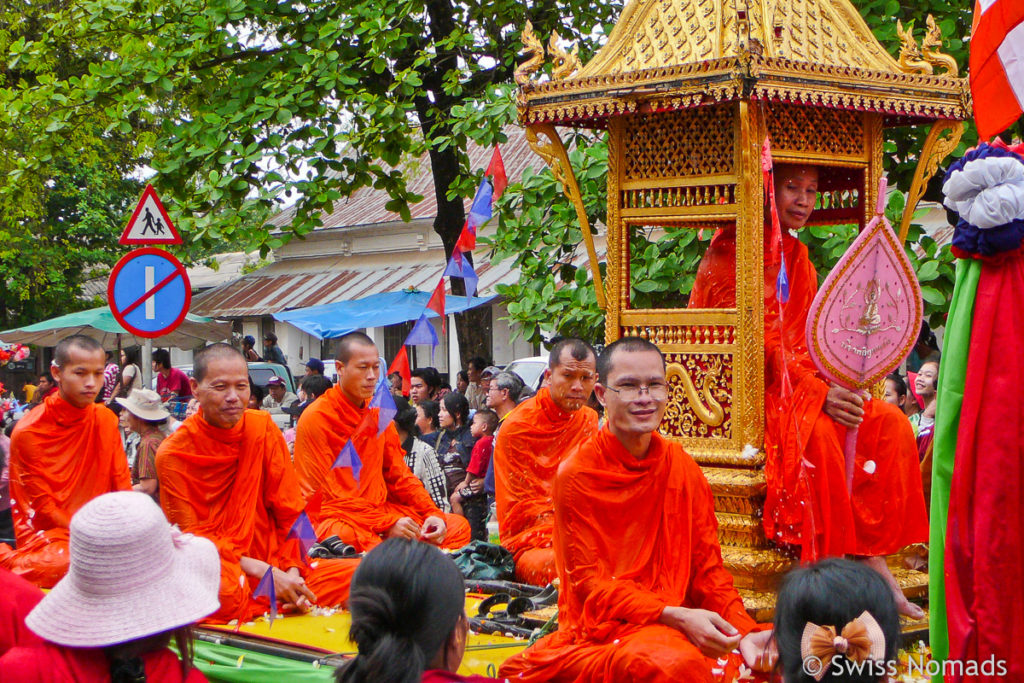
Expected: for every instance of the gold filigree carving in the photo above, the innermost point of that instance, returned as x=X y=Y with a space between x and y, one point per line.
x=941 y=141
x=911 y=59
x=712 y=413
x=930 y=45
x=679 y=144
x=535 y=49
x=705 y=413
x=554 y=155
x=563 y=63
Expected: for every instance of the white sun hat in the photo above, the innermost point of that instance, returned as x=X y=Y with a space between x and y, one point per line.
x=144 y=404
x=132 y=575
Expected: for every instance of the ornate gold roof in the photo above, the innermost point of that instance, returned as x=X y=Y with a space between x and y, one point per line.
x=679 y=53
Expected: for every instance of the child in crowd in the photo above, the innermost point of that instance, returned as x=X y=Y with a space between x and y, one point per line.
x=469 y=499
x=836 y=621
x=408 y=617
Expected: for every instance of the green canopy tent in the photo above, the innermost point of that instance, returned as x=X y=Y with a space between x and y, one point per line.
x=99 y=323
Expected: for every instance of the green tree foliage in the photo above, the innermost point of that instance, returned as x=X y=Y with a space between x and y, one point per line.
x=251 y=104
x=61 y=205
x=539 y=229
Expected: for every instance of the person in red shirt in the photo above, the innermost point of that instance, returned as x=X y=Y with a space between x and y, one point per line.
x=17 y=598
x=170 y=382
x=485 y=422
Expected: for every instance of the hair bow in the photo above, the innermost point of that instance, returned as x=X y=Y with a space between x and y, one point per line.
x=859 y=640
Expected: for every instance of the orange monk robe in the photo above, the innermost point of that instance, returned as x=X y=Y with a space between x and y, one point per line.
x=632 y=536
x=531 y=444
x=360 y=511
x=805 y=466
x=61 y=458
x=237 y=487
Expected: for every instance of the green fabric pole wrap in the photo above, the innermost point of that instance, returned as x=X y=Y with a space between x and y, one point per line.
x=220 y=664
x=952 y=376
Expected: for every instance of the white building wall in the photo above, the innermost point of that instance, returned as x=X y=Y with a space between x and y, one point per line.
x=503 y=348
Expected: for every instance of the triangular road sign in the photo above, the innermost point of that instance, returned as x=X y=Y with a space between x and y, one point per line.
x=150 y=223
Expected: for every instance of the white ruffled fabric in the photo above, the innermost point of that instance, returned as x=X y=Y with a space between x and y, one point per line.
x=987 y=193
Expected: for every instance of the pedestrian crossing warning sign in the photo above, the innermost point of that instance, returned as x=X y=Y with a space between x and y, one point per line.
x=150 y=223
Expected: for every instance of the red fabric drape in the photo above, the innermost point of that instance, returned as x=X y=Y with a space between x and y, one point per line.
x=984 y=554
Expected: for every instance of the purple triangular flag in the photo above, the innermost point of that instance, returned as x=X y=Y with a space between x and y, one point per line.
x=383 y=399
x=302 y=529
x=349 y=458
x=480 y=211
x=782 y=283
x=422 y=333
x=266 y=587
x=459 y=266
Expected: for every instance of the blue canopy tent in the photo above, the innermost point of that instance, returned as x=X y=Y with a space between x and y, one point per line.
x=377 y=310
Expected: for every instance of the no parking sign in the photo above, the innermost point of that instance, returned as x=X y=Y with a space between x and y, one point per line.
x=149 y=292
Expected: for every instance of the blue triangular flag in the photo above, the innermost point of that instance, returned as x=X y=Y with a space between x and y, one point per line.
x=349 y=458
x=266 y=587
x=422 y=333
x=383 y=399
x=459 y=266
x=782 y=283
x=302 y=529
x=480 y=211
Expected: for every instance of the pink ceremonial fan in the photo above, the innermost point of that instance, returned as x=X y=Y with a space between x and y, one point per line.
x=866 y=316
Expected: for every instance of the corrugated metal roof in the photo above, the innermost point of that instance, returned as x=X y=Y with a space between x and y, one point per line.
x=310 y=282
x=366 y=205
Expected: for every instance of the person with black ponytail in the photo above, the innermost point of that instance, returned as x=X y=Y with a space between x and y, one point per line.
x=408 y=617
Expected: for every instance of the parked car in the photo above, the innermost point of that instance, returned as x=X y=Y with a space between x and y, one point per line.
x=530 y=370
x=260 y=374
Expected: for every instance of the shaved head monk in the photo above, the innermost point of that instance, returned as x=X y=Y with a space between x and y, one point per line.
x=532 y=442
x=373 y=495
x=806 y=418
x=643 y=595
x=63 y=454
x=226 y=474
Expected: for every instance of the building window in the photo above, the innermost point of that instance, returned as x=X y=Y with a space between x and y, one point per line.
x=394 y=335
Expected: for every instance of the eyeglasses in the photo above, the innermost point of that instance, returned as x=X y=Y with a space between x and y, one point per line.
x=658 y=391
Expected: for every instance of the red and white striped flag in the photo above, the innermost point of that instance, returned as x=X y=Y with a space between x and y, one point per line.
x=997 y=65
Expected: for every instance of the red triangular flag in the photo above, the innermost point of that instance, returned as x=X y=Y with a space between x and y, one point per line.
x=436 y=303
x=496 y=169
x=401 y=366
x=467 y=240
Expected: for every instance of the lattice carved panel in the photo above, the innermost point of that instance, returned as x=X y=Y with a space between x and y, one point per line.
x=816 y=129
x=679 y=144
x=663 y=335
x=678 y=197
x=704 y=379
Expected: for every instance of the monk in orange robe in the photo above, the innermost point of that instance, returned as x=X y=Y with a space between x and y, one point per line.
x=64 y=453
x=226 y=475
x=375 y=495
x=531 y=444
x=644 y=595
x=807 y=502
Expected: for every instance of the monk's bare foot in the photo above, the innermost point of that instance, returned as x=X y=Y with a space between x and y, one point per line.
x=904 y=606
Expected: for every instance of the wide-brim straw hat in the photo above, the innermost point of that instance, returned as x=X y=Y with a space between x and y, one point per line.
x=131 y=575
x=144 y=404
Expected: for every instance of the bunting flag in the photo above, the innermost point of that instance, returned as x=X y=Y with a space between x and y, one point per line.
x=266 y=588
x=401 y=365
x=459 y=266
x=349 y=458
x=436 y=303
x=422 y=333
x=997 y=65
x=496 y=169
x=383 y=400
x=302 y=530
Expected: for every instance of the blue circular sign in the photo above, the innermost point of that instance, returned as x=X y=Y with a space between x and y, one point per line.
x=149 y=292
